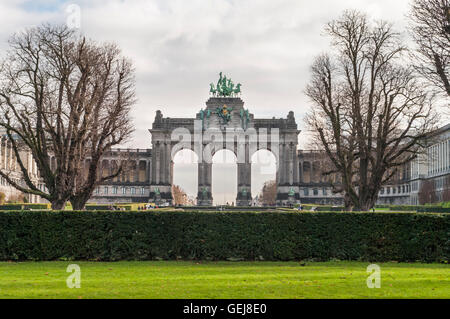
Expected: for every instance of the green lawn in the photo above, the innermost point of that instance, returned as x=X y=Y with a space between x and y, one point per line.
x=183 y=279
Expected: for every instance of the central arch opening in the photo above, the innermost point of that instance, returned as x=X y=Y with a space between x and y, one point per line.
x=224 y=178
x=264 y=175
x=185 y=177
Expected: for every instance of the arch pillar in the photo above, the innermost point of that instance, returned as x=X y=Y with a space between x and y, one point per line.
x=288 y=190
x=204 y=194
x=161 y=177
x=244 y=180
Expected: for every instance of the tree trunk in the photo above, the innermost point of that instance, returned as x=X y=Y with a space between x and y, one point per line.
x=79 y=202
x=58 y=204
x=347 y=203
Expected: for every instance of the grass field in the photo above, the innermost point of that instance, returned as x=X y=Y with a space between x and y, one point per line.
x=183 y=279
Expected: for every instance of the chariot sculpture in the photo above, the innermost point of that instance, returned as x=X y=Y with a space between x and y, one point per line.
x=225 y=87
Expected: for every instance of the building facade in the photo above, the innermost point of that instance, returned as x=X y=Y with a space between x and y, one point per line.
x=9 y=165
x=299 y=175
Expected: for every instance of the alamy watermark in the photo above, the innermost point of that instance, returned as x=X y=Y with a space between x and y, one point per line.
x=374 y=279
x=74 y=279
x=73 y=20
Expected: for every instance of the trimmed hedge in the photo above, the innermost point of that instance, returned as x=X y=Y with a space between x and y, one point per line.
x=124 y=235
x=20 y=206
x=418 y=208
x=434 y=209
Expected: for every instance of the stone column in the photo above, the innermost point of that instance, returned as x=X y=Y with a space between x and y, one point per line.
x=244 y=189
x=290 y=166
x=296 y=177
x=5 y=154
x=165 y=186
x=281 y=163
x=1 y=150
x=281 y=172
x=204 y=195
x=288 y=191
x=10 y=162
x=169 y=164
x=155 y=184
x=156 y=164
x=162 y=163
x=136 y=172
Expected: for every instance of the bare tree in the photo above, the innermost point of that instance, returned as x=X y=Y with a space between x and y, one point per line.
x=66 y=97
x=431 y=31
x=369 y=111
x=427 y=193
x=269 y=193
x=179 y=195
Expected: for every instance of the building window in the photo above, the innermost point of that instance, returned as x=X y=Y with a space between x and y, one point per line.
x=388 y=190
x=105 y=190
x=142 y=190
x=124 y=190
x=306 y=191
x=324 y=191
x=315 y=191
x=382 y=190
x=133 y=190
x=97 y=190
x=114 y=190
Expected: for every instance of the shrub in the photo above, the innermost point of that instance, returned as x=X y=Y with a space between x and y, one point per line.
x=427 y=208
x=434 y=209
x=25 y=206
x=130 y=235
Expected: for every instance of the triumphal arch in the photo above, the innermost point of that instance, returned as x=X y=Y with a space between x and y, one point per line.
x=224 y=123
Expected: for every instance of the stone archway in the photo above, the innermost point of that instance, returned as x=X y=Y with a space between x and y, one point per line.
x=225 y=124
x=185 y=170
x=264 y=169
x=224 y=167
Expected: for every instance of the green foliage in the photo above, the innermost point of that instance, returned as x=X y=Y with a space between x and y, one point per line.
x=434 y=209
x=116 y=206
x=146 y=235
x=97 y=206
x=427 y=208
x=25 y=206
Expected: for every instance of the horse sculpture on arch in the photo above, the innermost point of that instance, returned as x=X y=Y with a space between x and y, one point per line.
x=225 y=87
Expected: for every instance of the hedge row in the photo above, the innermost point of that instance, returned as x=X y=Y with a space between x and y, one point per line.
x=123 y=235
x=23 y=206
x=417 y=208
x=128 y=206
x=434 y=209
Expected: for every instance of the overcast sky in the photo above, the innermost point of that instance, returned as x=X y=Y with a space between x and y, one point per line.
x=178 y=47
